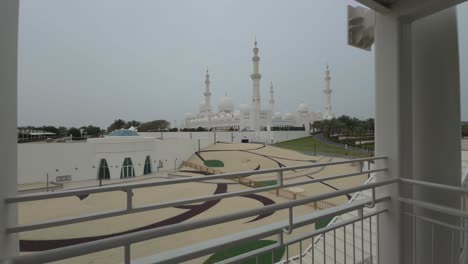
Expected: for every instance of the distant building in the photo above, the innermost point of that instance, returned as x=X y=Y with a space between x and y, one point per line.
x=253 y=117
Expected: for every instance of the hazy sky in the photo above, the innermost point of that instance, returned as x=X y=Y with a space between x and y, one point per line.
x=90 y=62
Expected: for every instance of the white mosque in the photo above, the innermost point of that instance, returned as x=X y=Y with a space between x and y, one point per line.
x=253 y=117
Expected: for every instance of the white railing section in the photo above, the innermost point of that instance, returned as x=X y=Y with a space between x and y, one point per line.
x=456 y=231
x=309 y=249
x=127 y=239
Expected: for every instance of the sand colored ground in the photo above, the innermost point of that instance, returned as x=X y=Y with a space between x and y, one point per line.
x=247 y=158
x=237 y=157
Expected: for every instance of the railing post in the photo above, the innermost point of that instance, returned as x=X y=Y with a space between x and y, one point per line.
x=9 y=10
x=279 y=182
x=127 y=254
x=129 y=199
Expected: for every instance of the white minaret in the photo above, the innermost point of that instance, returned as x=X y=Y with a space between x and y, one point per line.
x=255 y=111
x=207 y=95
x=272 y=99
x=328 y=108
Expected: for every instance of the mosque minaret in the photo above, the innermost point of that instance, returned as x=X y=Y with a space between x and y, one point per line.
x=271 y=102
x=207 y=95
x=328 y=108
x=251 y=117
x=256 y=103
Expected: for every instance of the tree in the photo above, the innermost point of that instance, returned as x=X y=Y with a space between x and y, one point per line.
x=75 y=132
x=93 y=131
x=50 y=129
x=156 y=125
x=132 y=123
x=63 y=131
x=116 y=125
x=370 y=125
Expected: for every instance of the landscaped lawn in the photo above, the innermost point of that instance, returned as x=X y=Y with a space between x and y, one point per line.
x=247 y=247
x=311 y=146
x=214 y=163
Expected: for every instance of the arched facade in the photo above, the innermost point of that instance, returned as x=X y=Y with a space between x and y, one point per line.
x=127 y=169
x=147 y=169
x=103 y=170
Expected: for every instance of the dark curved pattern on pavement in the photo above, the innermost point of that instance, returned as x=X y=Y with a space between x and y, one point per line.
x=258 y=167
x=264 y=200
x=282 y=165
x=197 y=172
x=216 y=150
x=40 y=245
x=199 y=156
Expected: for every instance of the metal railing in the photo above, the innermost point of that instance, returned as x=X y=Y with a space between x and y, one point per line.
x=278 y=228
x=435 y=215
x=332 y=226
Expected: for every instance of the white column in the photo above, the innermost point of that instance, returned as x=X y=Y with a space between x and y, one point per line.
x=8 y=103
x=392 y=126
x=436 y=141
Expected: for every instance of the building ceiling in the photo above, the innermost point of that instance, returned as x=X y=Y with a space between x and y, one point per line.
x=410 y=9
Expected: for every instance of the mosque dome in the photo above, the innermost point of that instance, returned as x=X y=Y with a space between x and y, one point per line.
x=124 y=133
x=226 y=104
x=277 y=115
x=236 y=115
x=244 y=108
x=288 y=116
x=189 y=115
x=202 y=106
x=303 y=108
x=229 y=116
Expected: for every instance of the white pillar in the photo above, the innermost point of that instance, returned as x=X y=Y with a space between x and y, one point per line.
x=8 y=103
x=392 y=133
x=436 y=115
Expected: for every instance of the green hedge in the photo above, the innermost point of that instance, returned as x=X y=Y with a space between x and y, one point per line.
x=213 y=163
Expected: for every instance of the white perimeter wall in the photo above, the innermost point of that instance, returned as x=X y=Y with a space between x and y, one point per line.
x=208 y=138
x=81 y=160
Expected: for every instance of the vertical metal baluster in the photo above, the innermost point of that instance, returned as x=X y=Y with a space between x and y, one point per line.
x=334 y=245
x=378 y=239
x=432 y=243
x=324 y=249
x=273 y=256
x=453 y=244
x=287 y=254
x=300 y=252
x=362 y=237
x=370 y=239
x=414 y=239
x=344 y=238
x=127 y=255
x=354 y=246
x=256 y=259
x=313 y=251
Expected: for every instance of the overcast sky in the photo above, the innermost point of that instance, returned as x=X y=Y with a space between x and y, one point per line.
x=90 y=62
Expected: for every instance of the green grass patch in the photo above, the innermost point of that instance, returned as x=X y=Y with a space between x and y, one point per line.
x=312 y=146
x=322 y=223
x=370 y=145
x=213 y=163
x=260 y=184
x=247 y=247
